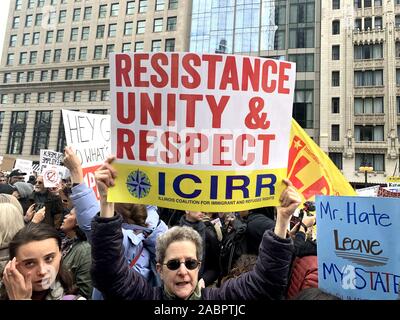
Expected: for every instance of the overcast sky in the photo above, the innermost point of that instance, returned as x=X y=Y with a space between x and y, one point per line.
x=4 y=6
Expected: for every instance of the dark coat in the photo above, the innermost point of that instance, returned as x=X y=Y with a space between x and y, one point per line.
x=257 y=223
x=112 y=276
x=304 y=275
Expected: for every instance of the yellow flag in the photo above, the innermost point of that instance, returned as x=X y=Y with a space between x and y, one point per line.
x=311 y=171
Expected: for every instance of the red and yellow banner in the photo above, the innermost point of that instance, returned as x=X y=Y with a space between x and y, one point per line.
x=310 y=169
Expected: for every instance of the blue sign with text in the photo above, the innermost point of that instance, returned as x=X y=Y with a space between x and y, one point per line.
x=359 y=247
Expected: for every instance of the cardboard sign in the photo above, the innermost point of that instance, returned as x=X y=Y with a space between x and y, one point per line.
x=358 y=246
x=89 y=135
x=7 y=163
x=200 y=132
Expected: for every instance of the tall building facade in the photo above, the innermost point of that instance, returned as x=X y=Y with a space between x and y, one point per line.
x=280 y=29
x=55 y=57
x=360 y=93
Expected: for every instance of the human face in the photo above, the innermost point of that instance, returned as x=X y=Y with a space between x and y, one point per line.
x=16 y=179
x=66 y=201
x=39 y=185
x=180 y=282
x=42 y=260
x=3 y=180
x=194 y=216
x=69 y=222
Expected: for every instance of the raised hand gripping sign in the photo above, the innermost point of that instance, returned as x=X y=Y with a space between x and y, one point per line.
x=200 y=132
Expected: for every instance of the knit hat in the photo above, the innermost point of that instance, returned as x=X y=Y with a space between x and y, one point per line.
x=7 y=189
x=24 y=189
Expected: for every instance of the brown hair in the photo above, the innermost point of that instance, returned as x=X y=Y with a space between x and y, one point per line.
x=132 y=213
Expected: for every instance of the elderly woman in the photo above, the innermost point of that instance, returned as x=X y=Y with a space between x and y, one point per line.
x=178 y=256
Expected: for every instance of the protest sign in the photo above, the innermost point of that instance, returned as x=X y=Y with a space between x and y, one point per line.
x=200 y=132
x=89 y=135
x=24 y=166
x=358 y=252
x=7 y=163
x=311 y=171
x=368 y=192
x=52 y=175
x=50 y=157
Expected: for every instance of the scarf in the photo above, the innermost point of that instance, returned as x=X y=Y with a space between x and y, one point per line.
x=67 y=244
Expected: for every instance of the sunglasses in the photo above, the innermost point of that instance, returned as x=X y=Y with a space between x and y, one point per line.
x=190 y=264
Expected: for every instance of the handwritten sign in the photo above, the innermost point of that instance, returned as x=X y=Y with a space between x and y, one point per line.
x=200 y=132
x=50 y=157
x=24 y=166
x=358 y=255
x=89 y=135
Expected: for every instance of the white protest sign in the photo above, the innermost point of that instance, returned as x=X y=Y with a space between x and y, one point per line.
x=369 y=191
x=52 y=175
x=89 y=135
x=50 y=157
x=24 y=166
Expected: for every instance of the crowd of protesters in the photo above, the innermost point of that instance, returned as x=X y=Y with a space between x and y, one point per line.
x=62 y=243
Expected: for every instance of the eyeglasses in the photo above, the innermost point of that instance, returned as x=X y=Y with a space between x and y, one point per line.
x=39 y=182
x=190 y=264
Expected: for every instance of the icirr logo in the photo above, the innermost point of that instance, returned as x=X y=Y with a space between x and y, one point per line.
x=138 y=184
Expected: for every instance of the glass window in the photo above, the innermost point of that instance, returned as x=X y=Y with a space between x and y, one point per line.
x=140 y=27
x=77 y=14
x=28 y=20
x=100 y=31
x=35 y=38
x=54 y=75
x=158 y=25
x=109 y=49
x=105 y=95
x=160 y=5
x=85 y=33
x=33 y=57
x=103 y=11
x=171 y=24
x=335 y=52
x=83 y=53
x=42 y=130
x=87 y=15
x=142 y=6
x=335 y=136
x=126 y=47
x=156 y=46
x=68 y=74
x=71 y=54
x=17 y=132
x=139 y=46
x=43 y=75
x=335 y=79
x=336 y=27
x=27 y=98
x=95 y=72
x=46 y=56
x=114 y=10
x=60 y=36
x=337 y=159
x=92 y=95
x=173 y=4
x=66 y=96
x=335 y=105
x=98 y=52
x=77 y=96
x=30 y=76
x=335 y=4
x=80 y=73
x=26 y=39
x=112 y=30
x=130 y=7
x=10 y=59
x=62 y=17
x=13 y=40
x=49 y=37
x=128 y=28
x=57 y=55
x=169 y=45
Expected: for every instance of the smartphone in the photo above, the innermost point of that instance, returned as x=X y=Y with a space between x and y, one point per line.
x=39 y=206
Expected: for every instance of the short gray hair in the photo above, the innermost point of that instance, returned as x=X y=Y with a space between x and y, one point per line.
x=178 y=234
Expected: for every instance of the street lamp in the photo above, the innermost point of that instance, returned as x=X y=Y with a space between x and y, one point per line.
x=366 y=169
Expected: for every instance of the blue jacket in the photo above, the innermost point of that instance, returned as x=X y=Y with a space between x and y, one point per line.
x=268 y=279
x=87 y=207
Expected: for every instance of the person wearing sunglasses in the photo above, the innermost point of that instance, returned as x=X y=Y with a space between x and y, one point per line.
x=178 y=257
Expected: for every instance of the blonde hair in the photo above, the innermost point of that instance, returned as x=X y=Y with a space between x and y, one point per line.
x=7 y=198
x=11 y=221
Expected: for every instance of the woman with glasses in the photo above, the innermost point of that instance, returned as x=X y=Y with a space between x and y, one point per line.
x=178 y=254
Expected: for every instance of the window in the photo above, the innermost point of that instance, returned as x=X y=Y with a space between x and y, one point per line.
x=60 y=36
x=112 y=30
x=98 y=52
x=71 y=54
x=85 y=33
x=41 y=133
x=105 y=95
x=109 y=49
x=15 y=24
x=368 y=133
x=126 y=47
x=301 y=37
x=158 y=25
x=74 y=34
x=130 y=7
x=98 y=111
x=26 y=39
x=28 y=21
x=335 y=105
x=17 y=132
x=49 y=36
x=33 y=57
x=173 y=4
x=87 y=14
x=139 y=46
x=156 y=46
x=378 y=3
x=20 y=77
x=7 y=77
x=17 y=98
x=80 y=73
x=54 y=75
x=40 y=3
x=128 y=28
x=357 y=24
x=368 y=78
x=335 y=4
x=51 y=97
x=69 y=74
x=367 y=3
x=31 y=4
x=27 y=98
x=23 y=56
x=13 y=40
x=62 y=17
x=100 y=31
x=368 y=51
x=92 y=95
x=303 y=111
x=43 y=75
x=10 y=59
x=77 y=14
x=304 y=62
x=4 y=100
x=336 y=52
x=335 y=79
x=18 y=4
x=40 y=97
x=30 y=76
x=38 y=19
x=357 y=4
x=77 y=96
x=169 y=45
x=1 y=119
x=95 y=72
x=52 y=18
x=61 y=140
x=103 y=11
x=335 y=136
x=336 y=27
x=114 y=10
x=378 y=22
x=35 y=38
x=301 y=12
x=66 y=96
x=142 y=6
x=57 y=55
x=140 y=26
x=83 y=53
x=106 y=72
x=160 y=5
x=398 y=77
x=368 y=105
x=337 y=159
x=171 y=24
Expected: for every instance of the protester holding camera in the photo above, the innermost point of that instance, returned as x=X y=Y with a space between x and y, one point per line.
x=178 y=254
